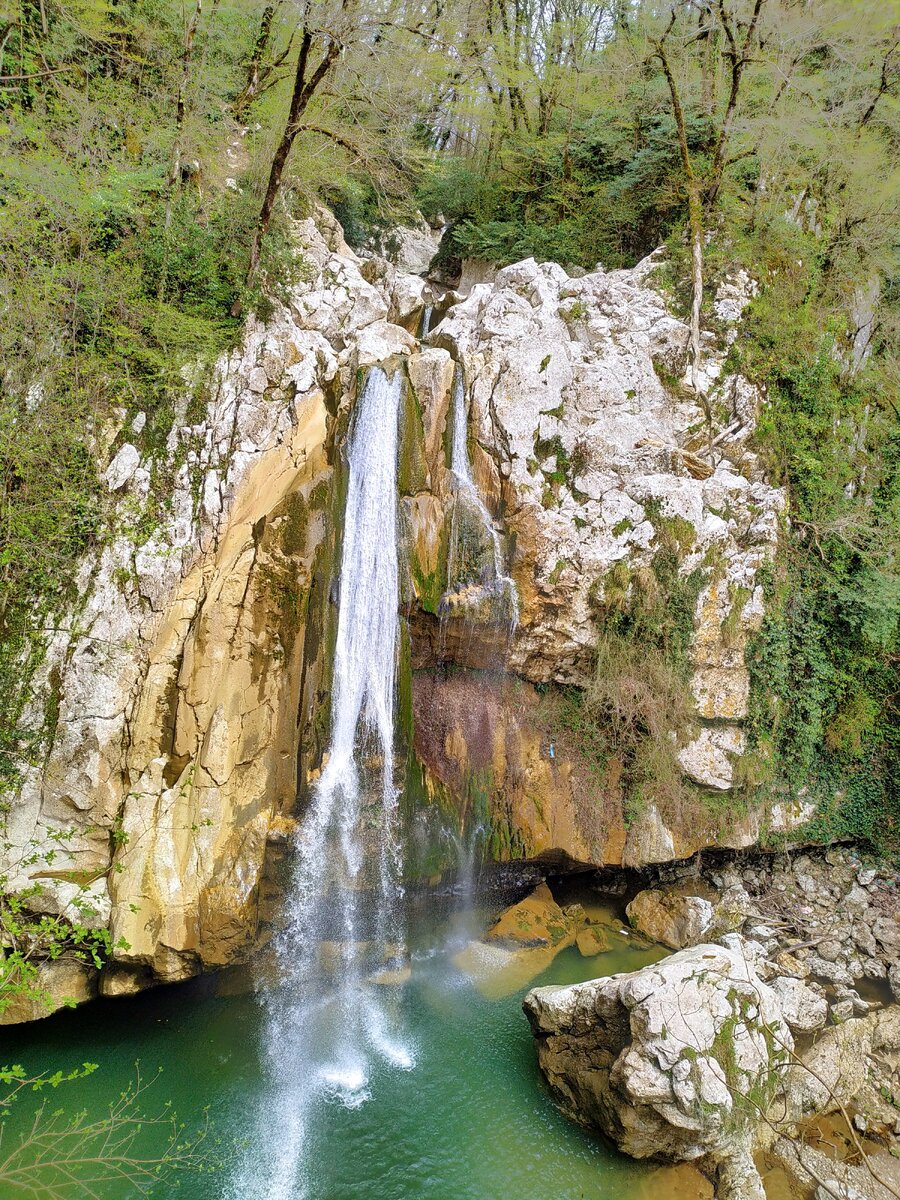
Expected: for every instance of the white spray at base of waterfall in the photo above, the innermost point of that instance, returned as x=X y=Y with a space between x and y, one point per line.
x=323 y=1034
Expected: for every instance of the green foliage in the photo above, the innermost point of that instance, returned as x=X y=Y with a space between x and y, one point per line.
x=31 y=937
x=58 y=1153
x=824 y=663
x=606 y=189
x=111 y=284
x=638 y=702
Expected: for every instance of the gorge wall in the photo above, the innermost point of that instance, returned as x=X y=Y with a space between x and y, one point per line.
x=185 y=696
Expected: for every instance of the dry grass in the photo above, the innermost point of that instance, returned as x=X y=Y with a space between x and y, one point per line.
x=641 y=705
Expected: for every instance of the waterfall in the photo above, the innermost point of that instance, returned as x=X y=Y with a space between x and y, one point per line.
x=469 y=848
x=330 y=1019
x=476 y=567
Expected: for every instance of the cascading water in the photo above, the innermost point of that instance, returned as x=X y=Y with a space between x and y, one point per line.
x=330 y=1017
x=468 y=847
x=475 y=566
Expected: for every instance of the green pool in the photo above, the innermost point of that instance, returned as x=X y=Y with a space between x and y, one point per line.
x=471 y=1121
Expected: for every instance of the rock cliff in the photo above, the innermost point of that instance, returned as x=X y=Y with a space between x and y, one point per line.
x=184 y=694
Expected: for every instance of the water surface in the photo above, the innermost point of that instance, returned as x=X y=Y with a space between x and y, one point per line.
x=472 y=1121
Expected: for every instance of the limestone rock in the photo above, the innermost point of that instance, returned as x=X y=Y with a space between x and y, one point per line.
x=833 y=1070
x=648 y=840
x=409 y=247
x=177 y=688
x=118 y=980
x=804 y=1009
x=62 y=983
x=831 y=1189
x=381 y=340
x=535 y=921
x=522 y=942
x=671 y=918
x=785 y=817
x=572 y=412
x=122 y=467
x=591 y=940
x=709 y=759
x=660 y=1059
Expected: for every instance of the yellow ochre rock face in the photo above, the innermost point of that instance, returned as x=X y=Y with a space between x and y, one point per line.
x=221 y=696
x=535 y=921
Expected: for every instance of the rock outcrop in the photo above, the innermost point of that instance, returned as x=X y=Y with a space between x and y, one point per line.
x=598 y=453
x=184 y=684
x=597 y=464
x=673 y=1061
x=525 y=939
x=185 y=688
x=685 y=914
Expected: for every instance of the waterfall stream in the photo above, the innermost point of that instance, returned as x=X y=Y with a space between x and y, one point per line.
x=330 y=1016
x=476 y=566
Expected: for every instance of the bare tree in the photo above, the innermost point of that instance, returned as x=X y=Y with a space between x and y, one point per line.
x=695 y=204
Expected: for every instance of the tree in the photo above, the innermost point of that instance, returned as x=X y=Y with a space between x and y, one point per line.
x=261 y=69
x=703 y=192
x=307 y=80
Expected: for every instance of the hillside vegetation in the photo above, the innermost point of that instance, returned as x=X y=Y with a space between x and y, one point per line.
x=152 y=155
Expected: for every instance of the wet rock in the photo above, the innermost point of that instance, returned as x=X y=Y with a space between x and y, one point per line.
x=536 y=921
x=596 y=462
x=521 y=943
x=63 y=983
x=648 y=840
x=591 y=940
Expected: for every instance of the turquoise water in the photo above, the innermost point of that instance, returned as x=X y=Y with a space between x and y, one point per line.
x=470 y=1122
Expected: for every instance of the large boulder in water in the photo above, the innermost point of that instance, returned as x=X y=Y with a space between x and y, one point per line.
x=672 y=1062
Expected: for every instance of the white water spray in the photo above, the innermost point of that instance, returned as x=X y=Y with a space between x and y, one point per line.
x=329 y=1020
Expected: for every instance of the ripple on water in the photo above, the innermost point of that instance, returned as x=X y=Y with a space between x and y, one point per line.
x=471 y=1121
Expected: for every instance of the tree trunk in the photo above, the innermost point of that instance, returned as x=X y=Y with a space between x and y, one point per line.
x=738 y=57
x=304 y=90
x=709 y=66
x=695 y=217
x=174 y=180
x=251 y=87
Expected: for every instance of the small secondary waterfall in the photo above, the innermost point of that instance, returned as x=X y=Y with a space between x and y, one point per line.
x=476 y=567
x=330 y=1018
x=468 y=846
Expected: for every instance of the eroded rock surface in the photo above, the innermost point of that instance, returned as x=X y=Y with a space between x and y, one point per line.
x=566 y=378
x=185 y=687
x=178 y=682
x=664 y=1059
